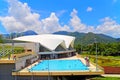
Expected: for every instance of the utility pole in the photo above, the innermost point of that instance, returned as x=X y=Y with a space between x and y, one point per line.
x=81 y=46
x=48 y=71
x=96 y=54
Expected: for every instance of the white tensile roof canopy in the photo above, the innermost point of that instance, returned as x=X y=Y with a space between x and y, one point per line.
x=49 y=41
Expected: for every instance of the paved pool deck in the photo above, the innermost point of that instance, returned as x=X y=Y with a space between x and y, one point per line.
x=92 y=70
x=111 y=75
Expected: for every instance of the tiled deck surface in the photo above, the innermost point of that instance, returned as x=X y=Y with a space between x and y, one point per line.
x=91 y=71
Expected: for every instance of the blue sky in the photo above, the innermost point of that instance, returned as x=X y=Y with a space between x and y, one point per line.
x=48 y=16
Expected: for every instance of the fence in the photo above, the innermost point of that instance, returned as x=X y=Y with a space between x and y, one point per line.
x=5 y=50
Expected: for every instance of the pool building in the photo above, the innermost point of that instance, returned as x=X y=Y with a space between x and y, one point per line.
x=46 y=57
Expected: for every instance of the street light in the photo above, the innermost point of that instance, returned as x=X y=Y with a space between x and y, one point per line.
x=12 y=48
x=32 y=74
x=48 y=71
x=96 y=52
x=81 y=46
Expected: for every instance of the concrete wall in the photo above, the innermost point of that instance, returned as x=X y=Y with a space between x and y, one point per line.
x=50 y=78
x=34 y=78
x=33 y=46
x=6 y=71
x=21 y=62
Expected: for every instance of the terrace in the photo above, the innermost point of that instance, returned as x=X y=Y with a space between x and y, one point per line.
x=29 y=72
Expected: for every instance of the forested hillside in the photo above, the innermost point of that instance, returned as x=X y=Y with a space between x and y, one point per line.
x=88 y=38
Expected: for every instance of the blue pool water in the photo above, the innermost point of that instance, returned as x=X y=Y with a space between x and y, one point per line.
x=59 y=65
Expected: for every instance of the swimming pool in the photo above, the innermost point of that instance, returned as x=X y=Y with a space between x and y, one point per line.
x=59 y=65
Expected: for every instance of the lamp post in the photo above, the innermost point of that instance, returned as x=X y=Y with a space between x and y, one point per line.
x=81 y=46
x=48 y=71
x=96 y=53
x=12 y=47
x=32 y=74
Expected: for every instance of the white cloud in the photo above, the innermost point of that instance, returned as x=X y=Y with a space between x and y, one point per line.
x=109 y=27
x=11 y=24
x=51 y=24
x=77 y=25
x=75 y=22
x=21 y=18
x=89 y=9
x=61 y=12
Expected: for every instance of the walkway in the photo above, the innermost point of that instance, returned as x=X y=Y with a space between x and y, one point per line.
x=111 y=75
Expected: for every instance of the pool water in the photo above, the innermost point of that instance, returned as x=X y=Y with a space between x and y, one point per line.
x=59 y=65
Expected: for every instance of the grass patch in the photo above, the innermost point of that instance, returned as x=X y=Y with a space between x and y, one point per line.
x=105 y=60
x=105 y=78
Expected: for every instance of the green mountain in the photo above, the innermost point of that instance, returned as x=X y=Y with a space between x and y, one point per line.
x=7 y=37
x=84 y=38
x=88 y=38
x=13 y=35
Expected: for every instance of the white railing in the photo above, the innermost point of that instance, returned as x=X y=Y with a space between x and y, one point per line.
x=57 y=52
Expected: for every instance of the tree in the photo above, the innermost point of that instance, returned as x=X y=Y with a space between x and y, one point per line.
x=101 y=48
x=118 y=48
x=78 y=48
x=1 y=39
